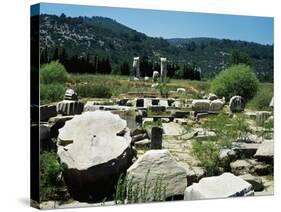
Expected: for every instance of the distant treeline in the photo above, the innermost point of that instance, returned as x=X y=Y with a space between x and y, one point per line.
x=94 y=64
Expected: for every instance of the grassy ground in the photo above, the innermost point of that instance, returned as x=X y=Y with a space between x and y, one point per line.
x=113 y=85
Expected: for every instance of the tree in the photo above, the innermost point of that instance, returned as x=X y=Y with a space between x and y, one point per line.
x=53 y=72
x=238 y=57
x=56 y=54
x=125 y=68
x=236 y=80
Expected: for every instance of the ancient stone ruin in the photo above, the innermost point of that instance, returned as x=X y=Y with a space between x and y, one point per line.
x=136 y=67
x=163 y=72
x=95 y=147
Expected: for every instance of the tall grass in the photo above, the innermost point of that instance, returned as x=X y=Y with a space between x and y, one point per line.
x=94 y=90
x=262 y=99
x=129 y=191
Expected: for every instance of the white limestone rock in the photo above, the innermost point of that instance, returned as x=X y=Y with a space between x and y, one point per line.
x=93 y=139
x=200 y=105
x=216 y=105
x=95 y=147
x=223 y=186
x=159 y=163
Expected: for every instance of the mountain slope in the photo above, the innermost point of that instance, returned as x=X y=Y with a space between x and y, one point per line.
x=106 y=37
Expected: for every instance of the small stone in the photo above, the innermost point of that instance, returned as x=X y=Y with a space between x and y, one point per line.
x=156 y=138
x=237 y=104
x=70 y=94
x=143 y=143
x=212 y=96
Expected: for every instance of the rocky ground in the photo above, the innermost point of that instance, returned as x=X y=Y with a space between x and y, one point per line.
x=170 y=148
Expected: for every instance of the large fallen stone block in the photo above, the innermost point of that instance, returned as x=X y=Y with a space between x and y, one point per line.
x=223 y=186
x=246 y=150
x=70 y=107
x=200 y=105
x=216 y=105
x=265 y=152
x=255 y=181
x=158 y=164
x=95 y=153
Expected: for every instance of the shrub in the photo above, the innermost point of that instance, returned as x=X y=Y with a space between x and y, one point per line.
x=50 y=169
x=207 y=153
x=53 y=72
x=95 y=91
x=236 y=80
x=261 y=100
x=51 y=93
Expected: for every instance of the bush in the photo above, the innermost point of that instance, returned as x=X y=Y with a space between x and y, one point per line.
x=50 y=170
x=261 y=100
x=51 y=93
x=208 y=154
x=95 y=91
x=236 y=80
x=53 y=72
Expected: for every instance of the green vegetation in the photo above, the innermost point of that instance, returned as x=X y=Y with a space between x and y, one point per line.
x=236 y=80
x=53 y=73
x=50 y=171
x=262 y=99
x=227 y=130
x=113 y=46
x=128 y=191
x=94 y=90
x=53 y=77
x=51 y=93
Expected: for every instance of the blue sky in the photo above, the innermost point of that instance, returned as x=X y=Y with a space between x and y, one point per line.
x=169 y=24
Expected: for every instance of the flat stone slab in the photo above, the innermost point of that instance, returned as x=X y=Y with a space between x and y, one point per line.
x=223 y=186
x=265 y=152
x=172 y=129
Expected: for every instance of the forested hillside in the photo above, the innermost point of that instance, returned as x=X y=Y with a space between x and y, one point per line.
x=102 y=45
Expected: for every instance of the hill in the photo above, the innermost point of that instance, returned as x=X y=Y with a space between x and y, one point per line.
x=104 y=37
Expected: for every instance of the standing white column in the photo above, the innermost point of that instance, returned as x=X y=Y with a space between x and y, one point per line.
x=136 y=67
x=163 y=68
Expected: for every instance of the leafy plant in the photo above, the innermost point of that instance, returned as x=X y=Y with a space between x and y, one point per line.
x=51 y=93
x=261 y=100
x=53 y=72
x=207 y=153
x=164 y=90
x=236 y=80
x=50 y=172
